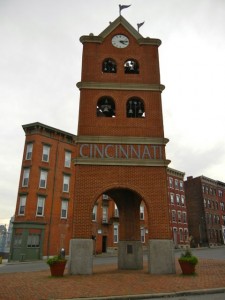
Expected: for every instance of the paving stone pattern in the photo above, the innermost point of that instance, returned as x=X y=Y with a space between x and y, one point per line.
x=107 y=280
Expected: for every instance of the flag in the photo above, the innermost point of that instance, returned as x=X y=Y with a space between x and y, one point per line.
x=139 y=25
x=123 y=6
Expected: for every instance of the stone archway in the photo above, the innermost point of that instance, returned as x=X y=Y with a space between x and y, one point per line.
x=130 y=250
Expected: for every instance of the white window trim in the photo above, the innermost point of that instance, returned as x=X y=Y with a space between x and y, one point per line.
x=116 y=226
x=26 y=175
x=66 y=182
x=67 y=162
x=64 y=207
x=29 y=151
x=94 y=213
x=142 y=212
x=43 y=178
x=23 y=200
x=40 y=198
x=46 y=153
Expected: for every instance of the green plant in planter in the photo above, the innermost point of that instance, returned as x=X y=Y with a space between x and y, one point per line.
x=188 y=262
x=57 y=265
x=55 y=259
x=188 y=257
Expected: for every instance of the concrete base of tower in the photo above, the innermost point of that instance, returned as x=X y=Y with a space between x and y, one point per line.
x=130 y=255
x=161 y=258
x=81 y=257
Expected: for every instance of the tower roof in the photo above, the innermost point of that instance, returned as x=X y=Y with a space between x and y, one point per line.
x=112 y=26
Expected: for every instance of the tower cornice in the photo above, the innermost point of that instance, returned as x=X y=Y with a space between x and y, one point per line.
x=121 y=140
x=120 y=86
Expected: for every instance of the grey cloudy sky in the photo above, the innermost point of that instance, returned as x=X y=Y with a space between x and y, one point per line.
x=40 y=62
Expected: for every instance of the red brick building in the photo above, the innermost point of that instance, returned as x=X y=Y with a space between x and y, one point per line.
x=206 y=210
x=119 y=152
x=177 y=208
x=44 y=210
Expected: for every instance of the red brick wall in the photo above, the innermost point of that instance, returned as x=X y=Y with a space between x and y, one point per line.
x=148 y=182
x=57 y=231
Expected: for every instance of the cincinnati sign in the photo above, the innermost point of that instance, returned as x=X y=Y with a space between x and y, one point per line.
x=120 y=151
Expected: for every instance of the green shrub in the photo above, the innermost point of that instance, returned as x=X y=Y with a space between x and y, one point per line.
x=55 y=259
x=188 y=257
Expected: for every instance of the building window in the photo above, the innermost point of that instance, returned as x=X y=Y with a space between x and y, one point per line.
x=205 y=203
x=182 y=200
x=109 y=66
x=185 y=235
x=131 y=66
x=220 y=193
x=33 y=241
x=105 y=107
x=173 y=216
x=46 y=152
x=216 y=205
x=135 y=108
x=105 y=197
x=116 y=211
x=178 y=199
x=116 y=233
x=94 y=213
x=209 y=203
x=171 y=182
x=223 y=218
x=171 y=198
x=176 y=184
x=26 y=174
x=222 y=205
x=17 y=241
x=64 y=209
x=184 y=217
x=181 y=185
x=66 y=183
x=29 y=151
x=104 y=214
x=43 y=179
x=203 y=189
x=179 y=216
x=142 y=213
x=142 y=234
x=22 y=205
x=67 y=162
x=40 y=206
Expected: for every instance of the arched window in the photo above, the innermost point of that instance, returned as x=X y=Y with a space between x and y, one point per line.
x=105 y=107
x=135 y=108
x=109 y=66
x=131 y=66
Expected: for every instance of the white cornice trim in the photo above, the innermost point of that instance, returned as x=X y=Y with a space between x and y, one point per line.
x=120 y=86
x=121 y=140
x=122 y=162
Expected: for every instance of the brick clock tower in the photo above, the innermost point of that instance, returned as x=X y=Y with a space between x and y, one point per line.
x=121 y=147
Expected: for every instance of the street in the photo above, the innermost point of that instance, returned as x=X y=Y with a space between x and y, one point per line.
x=207 y=253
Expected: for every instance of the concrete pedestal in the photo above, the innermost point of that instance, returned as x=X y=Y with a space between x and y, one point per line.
x=81 y=257
x=161 y=257
x=130 y=255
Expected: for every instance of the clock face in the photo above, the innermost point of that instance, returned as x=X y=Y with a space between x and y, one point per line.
x=120 y=41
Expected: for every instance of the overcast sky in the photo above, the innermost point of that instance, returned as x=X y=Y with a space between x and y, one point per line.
x=40 y=64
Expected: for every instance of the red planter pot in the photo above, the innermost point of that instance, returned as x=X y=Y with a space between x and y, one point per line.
x=57 y=269
x=187 y=268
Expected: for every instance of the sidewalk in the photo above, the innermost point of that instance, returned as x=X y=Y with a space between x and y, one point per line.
x=108 y=281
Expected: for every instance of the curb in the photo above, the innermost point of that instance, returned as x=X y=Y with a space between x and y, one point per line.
x=157 y=295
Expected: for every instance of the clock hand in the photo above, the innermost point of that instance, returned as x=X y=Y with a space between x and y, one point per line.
x=123 y=42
